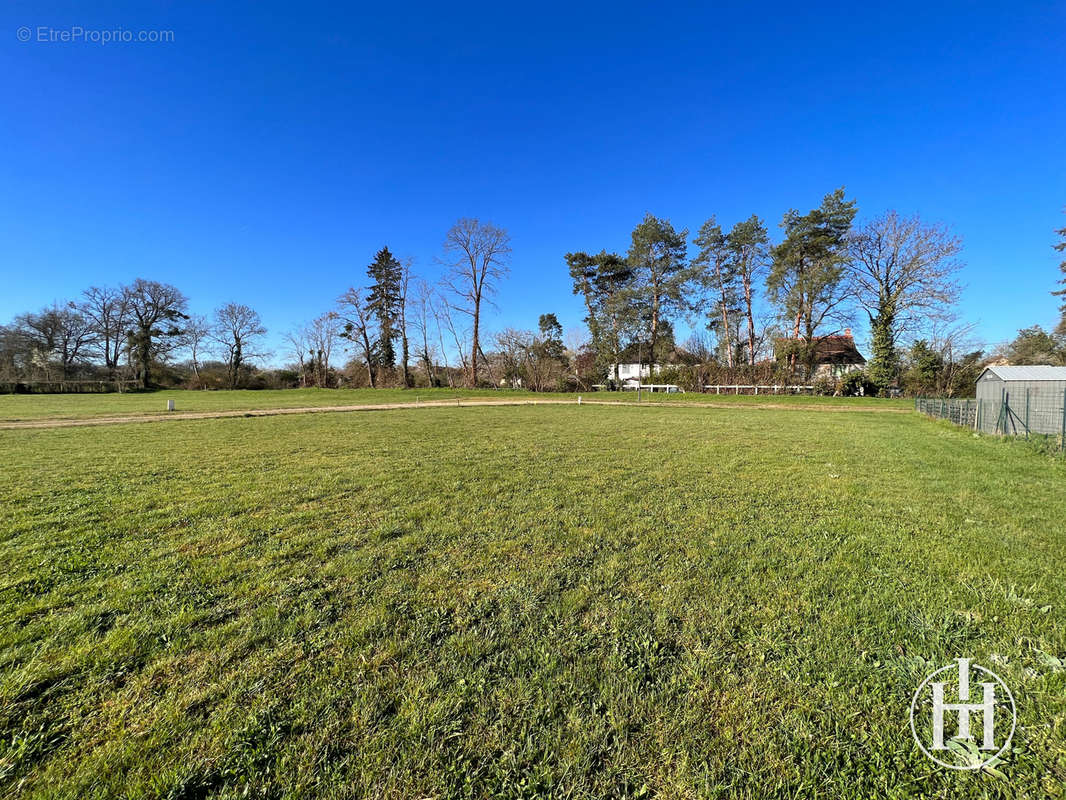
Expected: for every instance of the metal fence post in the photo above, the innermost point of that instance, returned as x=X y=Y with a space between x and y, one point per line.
x=1062 y=441
x=1026 y=413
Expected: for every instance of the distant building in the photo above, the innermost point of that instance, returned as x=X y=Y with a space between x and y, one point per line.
x=632 y=372
x=834 y=356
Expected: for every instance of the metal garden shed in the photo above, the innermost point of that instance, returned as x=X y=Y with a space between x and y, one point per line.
x=1022 y=399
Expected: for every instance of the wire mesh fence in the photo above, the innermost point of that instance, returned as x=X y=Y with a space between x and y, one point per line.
x=1031 y=414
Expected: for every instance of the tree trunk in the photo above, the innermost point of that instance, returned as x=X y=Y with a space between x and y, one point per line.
x=614 y=346
x=751 y=320
x=654 y=334
x=474 y=349
x=795 y=338
x=406 y=355
x=369 y=360
x=726 y=331
x=425 y=353
x=727 y=334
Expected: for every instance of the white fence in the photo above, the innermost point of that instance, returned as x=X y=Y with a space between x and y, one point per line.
x=740 y=388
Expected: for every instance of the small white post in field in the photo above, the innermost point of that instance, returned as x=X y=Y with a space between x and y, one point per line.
x=579 y=399
x=170 y=405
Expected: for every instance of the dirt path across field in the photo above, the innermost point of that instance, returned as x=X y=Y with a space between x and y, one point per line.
x=271 y=412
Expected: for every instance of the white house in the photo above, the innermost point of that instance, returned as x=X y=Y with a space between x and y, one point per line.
x=631 y=372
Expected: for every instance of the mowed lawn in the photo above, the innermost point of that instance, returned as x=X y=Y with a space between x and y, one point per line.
x=520 y=601
x=15 y=407
x=18 y=407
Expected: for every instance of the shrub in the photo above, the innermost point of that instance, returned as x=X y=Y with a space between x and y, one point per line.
x=825 y=385
x=857 y=384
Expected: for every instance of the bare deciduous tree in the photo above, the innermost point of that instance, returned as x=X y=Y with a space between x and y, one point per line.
x=108 y=310
x=513 y=352
x=405 y=347
x=420 y=317
x=197 y=332
x=902 y=272
x=239 y=332
x=299 y=348
x=476 y=254
x=356 y=319
x=59 y=333
x=445 y=322
x=157 y=311
x=321 y=336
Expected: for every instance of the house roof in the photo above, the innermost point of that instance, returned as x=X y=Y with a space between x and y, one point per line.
x=837 y=350
x=827 y=350
x=1031 y=373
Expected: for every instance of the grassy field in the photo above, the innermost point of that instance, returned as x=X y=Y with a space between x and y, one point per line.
x=14 y=407
x=520 y=601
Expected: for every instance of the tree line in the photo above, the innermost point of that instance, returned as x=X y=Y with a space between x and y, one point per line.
x=759 y=310
x=398 y=319
x=126 y=333
x=136 y=333
x=758 y=299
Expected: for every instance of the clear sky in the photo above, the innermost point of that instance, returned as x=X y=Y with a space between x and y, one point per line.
x=270 y=149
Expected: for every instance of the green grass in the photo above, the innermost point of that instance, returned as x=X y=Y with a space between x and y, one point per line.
x=520 y=601
x=15 y=407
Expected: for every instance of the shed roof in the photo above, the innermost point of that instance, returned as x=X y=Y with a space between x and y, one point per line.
x=1034 y=373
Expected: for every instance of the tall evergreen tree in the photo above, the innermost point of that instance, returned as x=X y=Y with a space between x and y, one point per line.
x=604 y=282
x=715 y=273
x=748 y=244
x=383 y=301
x=551 y=336
x=1061 y=247
x=807 y=274
x=657 y=257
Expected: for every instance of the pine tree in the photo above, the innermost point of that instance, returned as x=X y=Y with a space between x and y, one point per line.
x=715 y=272
x=1061 y=247
x=658 y=259
x=748 y=244
x=383 y=303
x=806 y=277
x=604 y=281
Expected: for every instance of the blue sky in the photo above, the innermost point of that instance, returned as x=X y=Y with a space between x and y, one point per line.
x=267 y=152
